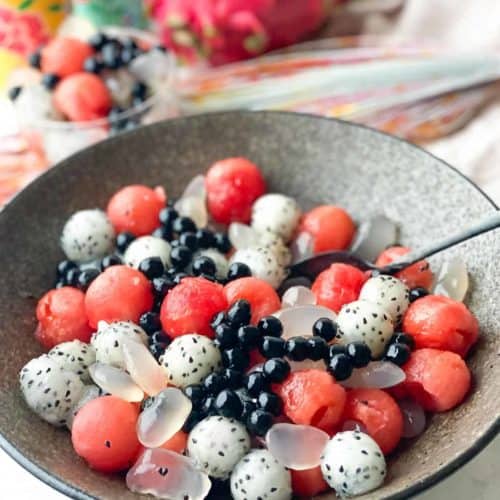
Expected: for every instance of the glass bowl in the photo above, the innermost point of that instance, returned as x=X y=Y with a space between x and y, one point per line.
x=59 y=139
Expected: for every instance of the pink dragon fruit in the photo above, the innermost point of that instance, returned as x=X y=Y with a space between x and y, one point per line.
x=230 y=30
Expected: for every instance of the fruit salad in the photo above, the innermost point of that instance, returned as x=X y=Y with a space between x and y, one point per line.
x=76 y=92
x=180 y=351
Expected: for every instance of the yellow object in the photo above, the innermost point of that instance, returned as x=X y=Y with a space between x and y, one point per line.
x=24 y=26
x=9 y=61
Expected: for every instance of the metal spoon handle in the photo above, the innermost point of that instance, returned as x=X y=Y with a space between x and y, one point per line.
x=487 y=223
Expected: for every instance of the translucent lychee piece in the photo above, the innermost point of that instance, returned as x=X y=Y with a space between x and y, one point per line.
x=353 y=425
x=163 y=418
x=89 y=393
x=298 y=321
x=307 y=364
x=143 y=367
x=453 y=279
x=374 y=236
x=35 y=104
x=376 y=375
x=120 y=84
x=414 y=419
x=297 y=447
x=302 y=247
x=115 y=381
x=196 y=188
x=153 y=68
x=193 y=207
x=165 y=474
x=298 y=296
x=242 y=236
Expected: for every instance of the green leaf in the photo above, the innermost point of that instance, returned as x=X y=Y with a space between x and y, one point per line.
x=25 y=4
x=56 y=7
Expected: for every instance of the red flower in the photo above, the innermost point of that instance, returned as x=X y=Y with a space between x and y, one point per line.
x=21 y=32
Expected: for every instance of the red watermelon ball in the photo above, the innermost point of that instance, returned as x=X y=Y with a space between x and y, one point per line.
x=120 y=293
x=64 y=56
x=82 y=97
x=191 y=306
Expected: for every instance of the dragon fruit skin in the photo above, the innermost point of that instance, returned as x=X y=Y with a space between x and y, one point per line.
x=225 y=31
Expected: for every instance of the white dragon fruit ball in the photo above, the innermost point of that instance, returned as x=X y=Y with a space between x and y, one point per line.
x=108 y=339
x=390 y=293
x=263 y=264
x=75 y=356
x=50 y=391
x=277 y=246
x=216 y=445
x=276 y=213
x=189 y=359
x=363 y=321
x=353 y=463
x=220 y=261
x=259 y=475
x=146 y=247
x=87 y=235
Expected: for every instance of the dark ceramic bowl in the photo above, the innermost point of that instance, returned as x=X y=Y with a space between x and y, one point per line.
x=313 y=159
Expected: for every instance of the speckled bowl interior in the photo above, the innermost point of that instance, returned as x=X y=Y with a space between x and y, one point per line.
x=313 y=159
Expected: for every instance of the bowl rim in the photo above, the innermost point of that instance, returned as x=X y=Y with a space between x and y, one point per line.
x=434 y=478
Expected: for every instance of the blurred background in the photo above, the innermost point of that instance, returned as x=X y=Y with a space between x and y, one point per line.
x=425 y=71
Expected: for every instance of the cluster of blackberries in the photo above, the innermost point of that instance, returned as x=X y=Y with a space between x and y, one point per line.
x=231 y=392
x=158 y=340
x=69 y=273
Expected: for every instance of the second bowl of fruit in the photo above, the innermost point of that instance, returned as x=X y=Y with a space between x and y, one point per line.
x=77 y=92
